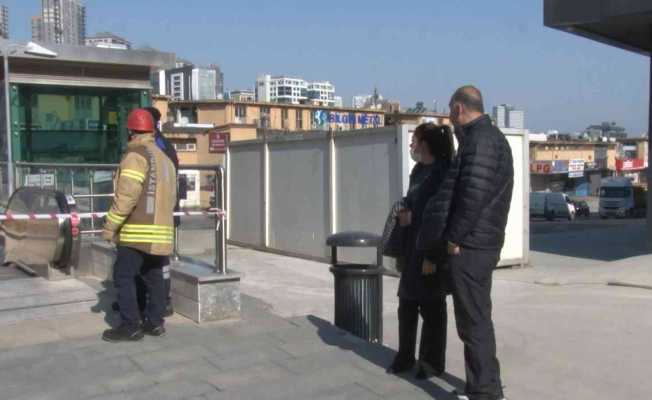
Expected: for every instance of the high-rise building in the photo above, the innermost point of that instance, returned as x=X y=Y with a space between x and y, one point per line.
x=4 y=22
x=321 y=94
x=37 y=29
x=283 y=89
x=62 y=22
x=507 y=116
x=108 y=40
x=516 y=119
x=190 y=83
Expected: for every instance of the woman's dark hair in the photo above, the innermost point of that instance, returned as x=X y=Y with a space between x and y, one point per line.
x=438 y=138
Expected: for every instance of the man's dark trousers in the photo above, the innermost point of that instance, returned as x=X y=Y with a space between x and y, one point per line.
x=471 y=274
x=129 y=264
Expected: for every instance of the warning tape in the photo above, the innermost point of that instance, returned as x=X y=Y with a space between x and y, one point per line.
x=77 y=216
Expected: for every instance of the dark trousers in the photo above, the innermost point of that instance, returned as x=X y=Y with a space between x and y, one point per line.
x=141 y=289
x=129 y=264
x=432 y=348
x=471 y=275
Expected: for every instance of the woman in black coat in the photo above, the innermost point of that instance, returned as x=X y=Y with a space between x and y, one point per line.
x=421 y=285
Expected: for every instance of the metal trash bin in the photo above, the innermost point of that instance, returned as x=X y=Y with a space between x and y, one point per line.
x=358 y=288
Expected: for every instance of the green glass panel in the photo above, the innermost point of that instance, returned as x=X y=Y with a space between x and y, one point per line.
x=72 y=125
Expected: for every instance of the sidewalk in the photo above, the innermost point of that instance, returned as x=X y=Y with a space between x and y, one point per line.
x=554 y=342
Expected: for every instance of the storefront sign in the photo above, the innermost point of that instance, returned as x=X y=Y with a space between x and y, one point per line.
x=575 y=168
x=630 y=165
x=217 y=142
x=549 y=167
x=323 y=117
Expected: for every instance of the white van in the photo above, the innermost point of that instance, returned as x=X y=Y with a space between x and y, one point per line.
x=551 y=205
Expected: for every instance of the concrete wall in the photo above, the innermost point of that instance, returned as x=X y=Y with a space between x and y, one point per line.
x=288 y=192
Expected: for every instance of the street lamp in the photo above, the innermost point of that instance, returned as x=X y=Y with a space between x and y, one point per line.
x=11 y=48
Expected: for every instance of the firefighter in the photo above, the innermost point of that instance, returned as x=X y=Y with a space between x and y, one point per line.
x=141 y=224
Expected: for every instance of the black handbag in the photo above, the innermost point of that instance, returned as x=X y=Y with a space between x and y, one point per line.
x=392 y=239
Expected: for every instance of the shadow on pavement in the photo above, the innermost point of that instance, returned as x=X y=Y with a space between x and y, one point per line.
x=594 y=239
x=381 y=356
x=105 y=299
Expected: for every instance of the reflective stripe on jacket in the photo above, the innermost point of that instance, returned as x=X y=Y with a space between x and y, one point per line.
x=141 y=215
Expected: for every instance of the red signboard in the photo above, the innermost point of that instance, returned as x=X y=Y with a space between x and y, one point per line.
x=634 y=164
x=217 y=142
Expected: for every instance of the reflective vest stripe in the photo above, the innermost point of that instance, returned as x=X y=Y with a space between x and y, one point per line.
x=134 y=172
x=116 y=219
x=158 y=228
x=146 y=241
x=130 y=174
x=145 y=238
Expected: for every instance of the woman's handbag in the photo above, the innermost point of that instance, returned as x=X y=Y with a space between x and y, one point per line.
x=392 y=240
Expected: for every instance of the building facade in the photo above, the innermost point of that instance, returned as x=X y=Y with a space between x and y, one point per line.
x=4 y=22
x=189 y=83
x=507 y=116
x=61 y=22
x=108 y=40
x=244 y=95
x=574 y=166
x=243 y=120
x=287 y=90
x=37 y=29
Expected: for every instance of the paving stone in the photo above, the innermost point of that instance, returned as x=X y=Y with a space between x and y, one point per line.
x=259 y=375
x=351 y=391
x=293 y=387
x=248 y=357
x=157 y=360
x=172 y=390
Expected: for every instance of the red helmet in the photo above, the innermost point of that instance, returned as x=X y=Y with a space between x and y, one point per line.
x=140 y=120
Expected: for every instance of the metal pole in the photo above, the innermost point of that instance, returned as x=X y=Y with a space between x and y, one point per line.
x=91 y=188
x=220 y=231
x=10 y=158
x=649 y=168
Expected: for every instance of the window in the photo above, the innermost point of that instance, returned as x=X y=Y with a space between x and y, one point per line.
x=240 y=111
x=299 y=119
x=265 y=117
x=284 y=118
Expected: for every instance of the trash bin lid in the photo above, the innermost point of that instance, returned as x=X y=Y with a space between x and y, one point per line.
x=354 y=239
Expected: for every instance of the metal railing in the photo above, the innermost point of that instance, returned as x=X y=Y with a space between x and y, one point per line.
x=74 y=184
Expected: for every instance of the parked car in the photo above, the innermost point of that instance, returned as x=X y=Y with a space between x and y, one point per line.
x=582 y=209
x=551 y=205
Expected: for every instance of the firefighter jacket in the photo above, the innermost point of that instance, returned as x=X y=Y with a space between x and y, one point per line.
x=141 y=216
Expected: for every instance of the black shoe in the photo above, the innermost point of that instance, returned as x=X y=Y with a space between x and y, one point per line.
x=425 y=371
x=151 y=330
x=169 y=311
x=459 y=395
x=399 y=366
x=122 y=334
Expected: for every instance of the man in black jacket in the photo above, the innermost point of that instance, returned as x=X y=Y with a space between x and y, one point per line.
x=474 y=235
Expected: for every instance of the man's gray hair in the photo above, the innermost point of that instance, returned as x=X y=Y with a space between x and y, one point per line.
x=470 y=97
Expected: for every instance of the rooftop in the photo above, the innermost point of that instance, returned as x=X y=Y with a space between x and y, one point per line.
x=94 y=55
x=107 y=35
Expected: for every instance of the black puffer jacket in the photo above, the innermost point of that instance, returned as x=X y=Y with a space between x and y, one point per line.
x=424 y=183
x=472 y=205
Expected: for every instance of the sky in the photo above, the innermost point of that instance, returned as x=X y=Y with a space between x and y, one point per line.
x=412 y=50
